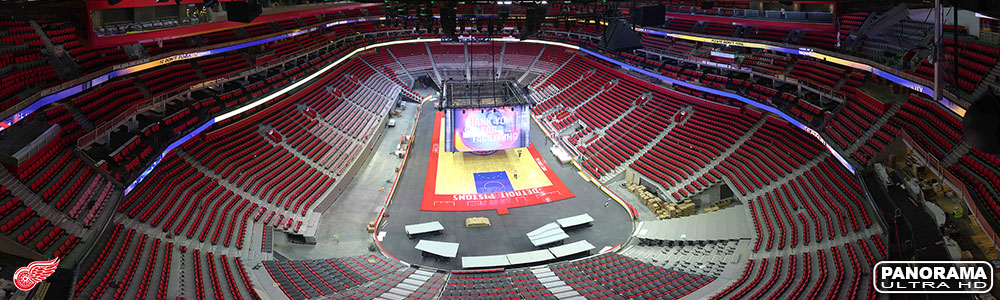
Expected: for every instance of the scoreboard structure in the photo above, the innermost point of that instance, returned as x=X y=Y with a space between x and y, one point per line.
x=483 y=116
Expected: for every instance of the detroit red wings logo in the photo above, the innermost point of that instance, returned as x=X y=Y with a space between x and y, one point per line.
x=25 y=278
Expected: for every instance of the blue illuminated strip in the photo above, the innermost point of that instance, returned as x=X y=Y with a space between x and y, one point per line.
x=506 y=39
x=767 y=108
x=173 y=145
x=68 y=92
x=810 y=53
x=255 y=104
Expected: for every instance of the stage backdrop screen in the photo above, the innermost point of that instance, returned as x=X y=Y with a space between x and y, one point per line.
x=487 y=129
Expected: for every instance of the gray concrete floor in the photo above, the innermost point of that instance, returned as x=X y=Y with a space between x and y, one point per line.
x=359 y=204
x=612 y=224
x=645 y=214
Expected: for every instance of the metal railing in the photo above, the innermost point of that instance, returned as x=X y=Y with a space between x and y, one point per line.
x=83 y=82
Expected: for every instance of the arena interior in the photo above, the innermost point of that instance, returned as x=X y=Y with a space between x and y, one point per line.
x=680 y=149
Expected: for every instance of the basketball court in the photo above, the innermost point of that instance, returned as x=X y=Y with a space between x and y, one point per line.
x=419 y=198
x=491 y=180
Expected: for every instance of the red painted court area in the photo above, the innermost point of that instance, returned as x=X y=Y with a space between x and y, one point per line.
x=500 y=201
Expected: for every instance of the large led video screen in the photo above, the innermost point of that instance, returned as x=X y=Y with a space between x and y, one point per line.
x=487 y=129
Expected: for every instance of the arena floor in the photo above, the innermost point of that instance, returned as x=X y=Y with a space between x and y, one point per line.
x=499 y=180
x=612 y=225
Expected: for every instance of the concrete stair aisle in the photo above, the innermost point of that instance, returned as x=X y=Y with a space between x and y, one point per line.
x=555 y=285
x=65 y=65
x=874 y=128
x=704 y=257
x=876 y=24
x=263 y=128
x=582 y=77
x=224 y=182
x=541 y=95
x=387 y=102
x=241 y=33
x=791 y=65
x=78 y=116
x=955 y=154
x=301 y=22
x=799 y=171
x=984 y=86
x=181 y=268
x=326 y=124
x=45 y=37
x=499 y=70
x=711 y=165
x=30 y=199
x=198 y=71
x=105 y=267
x=387 y=77
x=195 y=41
x=592 y=97
x=407 y=286
x=183 y=240
x=582 y=142
x=532 y=65
x=142 y=88
x=843 y=79
x=795 y=36
x=841 y=238
x=351 y=97
x=396 y=59
x=602 y=130
x=740 y=31
x=622 y=167
x=430 y=56
x=547 y=113
x=275 y=27
x=570 y=129
x=468 y=62
x=547 y=76
x=699 y=27
x=728 y=276
x=838 y=240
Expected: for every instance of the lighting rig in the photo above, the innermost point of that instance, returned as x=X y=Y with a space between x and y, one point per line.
x=452 y=22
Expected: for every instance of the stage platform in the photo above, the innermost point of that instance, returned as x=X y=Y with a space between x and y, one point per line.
x=611 y=225
x=494 y=180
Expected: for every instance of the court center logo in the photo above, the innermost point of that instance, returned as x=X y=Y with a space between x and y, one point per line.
x=933 y=277
x=25 y=278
